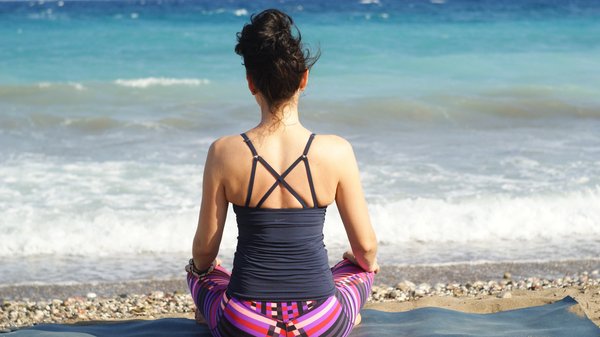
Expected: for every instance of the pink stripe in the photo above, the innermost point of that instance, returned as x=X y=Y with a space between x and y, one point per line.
x=314 y=317
x=333 y=316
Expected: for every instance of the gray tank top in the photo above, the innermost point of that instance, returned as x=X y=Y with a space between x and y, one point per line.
x=280 y=255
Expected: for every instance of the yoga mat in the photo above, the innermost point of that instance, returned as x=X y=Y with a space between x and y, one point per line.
x=547 y=320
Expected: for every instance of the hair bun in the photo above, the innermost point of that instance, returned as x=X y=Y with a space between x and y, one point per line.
x=273 y=56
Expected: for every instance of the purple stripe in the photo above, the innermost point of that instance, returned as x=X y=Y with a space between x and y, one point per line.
x=231 y=313
x=333 y=321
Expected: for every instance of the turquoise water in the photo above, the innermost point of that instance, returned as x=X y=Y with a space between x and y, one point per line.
x=476 y=125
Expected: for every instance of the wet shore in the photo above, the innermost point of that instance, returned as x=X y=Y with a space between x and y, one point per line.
x=389 y=276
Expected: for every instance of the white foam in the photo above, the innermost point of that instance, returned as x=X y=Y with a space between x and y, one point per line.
x=75 y=85
x=240 y=12
x=96 y=208
x=160 y=81
x=489 y=218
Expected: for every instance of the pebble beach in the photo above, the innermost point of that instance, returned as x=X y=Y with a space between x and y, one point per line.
x=475 y=125
x=478 y=296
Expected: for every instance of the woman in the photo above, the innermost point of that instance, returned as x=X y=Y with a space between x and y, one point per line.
x=280 y=178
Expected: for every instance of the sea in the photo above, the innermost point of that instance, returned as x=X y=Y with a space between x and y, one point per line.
x=476 y=126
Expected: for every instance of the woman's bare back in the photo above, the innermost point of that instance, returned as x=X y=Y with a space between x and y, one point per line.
x=325 y=156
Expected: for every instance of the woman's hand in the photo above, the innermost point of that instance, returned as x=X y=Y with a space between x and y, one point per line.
x=190 y=268
x=348 y=255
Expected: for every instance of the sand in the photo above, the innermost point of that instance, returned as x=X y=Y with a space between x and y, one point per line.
x=588 y=299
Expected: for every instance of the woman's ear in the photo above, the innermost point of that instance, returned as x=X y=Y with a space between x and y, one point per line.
x=251 y=86
x=303 y=80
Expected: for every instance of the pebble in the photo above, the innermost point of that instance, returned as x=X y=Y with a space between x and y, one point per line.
x=15 y=314
x=406 y=286
x=157 y=295
x=505 y=294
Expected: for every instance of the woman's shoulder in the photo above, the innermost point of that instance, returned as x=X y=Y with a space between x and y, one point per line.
x=333 y=146
x=226 y=141
x=334 y=140
x=226 y=146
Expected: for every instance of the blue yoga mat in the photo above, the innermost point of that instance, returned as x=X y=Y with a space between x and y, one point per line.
x=547 y=320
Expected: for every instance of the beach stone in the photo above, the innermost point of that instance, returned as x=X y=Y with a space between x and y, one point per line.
x=507 y=275
x=440 y=287
x=406 y=286
x=505 y=295
x=422 y=289
x=38 y=315
x=91 y=295
x=452 y=286
x=424 y=286
x=157 y=295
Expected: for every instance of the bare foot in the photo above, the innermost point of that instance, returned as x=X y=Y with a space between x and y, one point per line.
x=199 y=318
x=357 y=320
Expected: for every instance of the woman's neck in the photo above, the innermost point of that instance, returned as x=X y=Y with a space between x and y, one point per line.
x=285 y=116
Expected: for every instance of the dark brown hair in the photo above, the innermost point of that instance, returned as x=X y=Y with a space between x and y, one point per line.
x=274 y=58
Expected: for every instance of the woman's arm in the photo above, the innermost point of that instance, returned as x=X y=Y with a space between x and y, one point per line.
x=352 y=206
x=213 y=211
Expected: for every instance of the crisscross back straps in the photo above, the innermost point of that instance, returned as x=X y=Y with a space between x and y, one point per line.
x=279 y=178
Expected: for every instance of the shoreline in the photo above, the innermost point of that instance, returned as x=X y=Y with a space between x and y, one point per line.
x=475 y=297
x=389 y=275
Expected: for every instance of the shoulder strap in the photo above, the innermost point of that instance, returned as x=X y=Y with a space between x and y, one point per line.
x=308 y=174
x=253 y=172
x=308 y=143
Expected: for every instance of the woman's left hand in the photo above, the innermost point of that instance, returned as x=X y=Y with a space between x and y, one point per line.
x=350 y=257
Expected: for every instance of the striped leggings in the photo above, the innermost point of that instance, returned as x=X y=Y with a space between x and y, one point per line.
x=333 y=316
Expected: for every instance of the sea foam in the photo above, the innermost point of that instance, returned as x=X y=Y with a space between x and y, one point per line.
x=160 y=81
x=105 y=208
